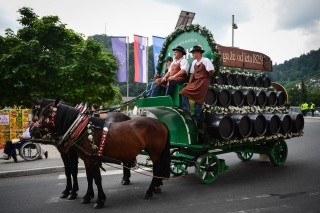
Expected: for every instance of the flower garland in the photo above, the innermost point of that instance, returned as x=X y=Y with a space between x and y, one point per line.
x=220 y=110
x=188 y=28
x=219 y=143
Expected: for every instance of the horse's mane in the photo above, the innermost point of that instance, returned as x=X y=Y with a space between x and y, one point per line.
x=65 y=116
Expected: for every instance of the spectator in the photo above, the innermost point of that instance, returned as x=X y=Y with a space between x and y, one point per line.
x=12 y=145
x=311 y=107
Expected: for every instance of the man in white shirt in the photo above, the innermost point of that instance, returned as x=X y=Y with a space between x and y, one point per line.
x=177 y=74
x=201 y=71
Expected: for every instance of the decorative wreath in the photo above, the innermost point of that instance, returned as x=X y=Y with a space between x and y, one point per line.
x=196 y=28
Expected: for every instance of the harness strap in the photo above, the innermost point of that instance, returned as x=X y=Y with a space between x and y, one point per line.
x=105 y=131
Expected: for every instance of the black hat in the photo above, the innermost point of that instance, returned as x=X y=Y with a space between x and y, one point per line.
x=181 y=49
x=169 y=58
x=197 y=48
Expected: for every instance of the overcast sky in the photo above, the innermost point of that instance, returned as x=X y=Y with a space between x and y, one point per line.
x=281 y=29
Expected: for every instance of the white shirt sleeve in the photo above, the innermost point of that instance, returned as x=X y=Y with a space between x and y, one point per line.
x=208 y=64
x=192 y=66
x=26 y=134
x=184 y=65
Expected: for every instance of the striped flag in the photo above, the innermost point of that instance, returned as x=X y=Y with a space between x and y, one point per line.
x=157 y=45
x=140 y=59
x=119 y=49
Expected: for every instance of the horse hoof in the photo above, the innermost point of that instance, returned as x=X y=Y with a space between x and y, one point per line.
x=157 y=190
x=98 y=205
x=73 y=196
x=148 y=195
x=125 y=182
x=85 y=201
x=65 y=195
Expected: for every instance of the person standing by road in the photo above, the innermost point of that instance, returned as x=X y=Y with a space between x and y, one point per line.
x=312 y=106
x=201 y=71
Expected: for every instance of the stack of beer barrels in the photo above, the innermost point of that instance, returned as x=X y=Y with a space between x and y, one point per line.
x=248 y=92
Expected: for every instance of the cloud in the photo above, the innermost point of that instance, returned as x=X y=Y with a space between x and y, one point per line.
x=214 y=14
x=303 y=14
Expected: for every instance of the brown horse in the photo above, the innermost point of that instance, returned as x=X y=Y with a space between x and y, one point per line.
x=70 y=158
x=125 y=140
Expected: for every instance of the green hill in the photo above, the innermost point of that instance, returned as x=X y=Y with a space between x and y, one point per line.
x=306 y=67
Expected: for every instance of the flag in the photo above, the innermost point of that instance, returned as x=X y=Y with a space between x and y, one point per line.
x=157 y=45
x=119 y=49
x=140 y=59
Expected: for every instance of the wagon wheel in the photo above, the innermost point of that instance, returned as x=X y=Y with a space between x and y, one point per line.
x=245 y=155
x=177 y=167
x=30 y=151
x=279 y=153
x=207 y=168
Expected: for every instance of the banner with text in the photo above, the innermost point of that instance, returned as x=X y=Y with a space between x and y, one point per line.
x=235 y=57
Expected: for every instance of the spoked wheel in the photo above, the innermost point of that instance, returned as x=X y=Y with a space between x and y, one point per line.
x=208 y=168
x=245 y=155
x=29 y=151
x=177 y=167
x=279 y=153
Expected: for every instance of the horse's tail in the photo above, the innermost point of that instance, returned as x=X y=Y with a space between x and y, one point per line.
x=165 y=157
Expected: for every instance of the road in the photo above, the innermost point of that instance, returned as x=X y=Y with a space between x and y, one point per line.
x=254 y=186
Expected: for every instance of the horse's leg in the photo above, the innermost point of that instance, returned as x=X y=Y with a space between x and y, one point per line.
x=73 y=159
x=90 y=193
x=98 y=181
x=67 y=172
x=126 y=173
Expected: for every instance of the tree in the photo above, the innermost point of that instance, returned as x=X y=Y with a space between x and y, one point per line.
x=45 y=59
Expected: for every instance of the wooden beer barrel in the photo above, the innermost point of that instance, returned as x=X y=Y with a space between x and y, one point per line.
x=231 y=79
x=258 y=81
x=237 y=98
x=249 y=98
x=273 y=124
x=271 y=98
x=219 y=126
x=224 y=98
x=266 y=81
x=220 y=79
x=211 y=97
x=243 y=126
x=281 y=98
x=286 y=123
x=249 y=81
x=259 y=124
x=261 y=98
x=297 y=121
x=240 y=80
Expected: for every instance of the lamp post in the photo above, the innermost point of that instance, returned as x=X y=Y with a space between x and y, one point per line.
x=234 y=26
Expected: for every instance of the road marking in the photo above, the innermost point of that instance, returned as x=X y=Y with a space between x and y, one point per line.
x=111 y=172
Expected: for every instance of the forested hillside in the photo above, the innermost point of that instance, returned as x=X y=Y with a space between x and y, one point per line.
x=306 y=66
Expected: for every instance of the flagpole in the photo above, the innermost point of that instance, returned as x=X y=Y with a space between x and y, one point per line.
x=127 y=70
x=147 y=52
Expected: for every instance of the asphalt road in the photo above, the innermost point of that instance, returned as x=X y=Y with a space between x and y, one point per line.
x=254 y=186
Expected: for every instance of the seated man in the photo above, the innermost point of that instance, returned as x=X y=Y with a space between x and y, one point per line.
x=177 y=74
x=11 y=146
x=151 y=85
x=201 y=71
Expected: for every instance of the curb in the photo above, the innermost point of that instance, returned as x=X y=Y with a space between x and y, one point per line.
x=36 y=171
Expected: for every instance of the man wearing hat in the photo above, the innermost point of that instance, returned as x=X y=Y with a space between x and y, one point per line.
x=201 y=71
x=151 y=85
x=177 y=74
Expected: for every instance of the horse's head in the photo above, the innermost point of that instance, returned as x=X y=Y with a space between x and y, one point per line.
x=43 y=113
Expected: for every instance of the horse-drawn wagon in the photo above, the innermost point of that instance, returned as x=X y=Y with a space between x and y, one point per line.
x=244 y=112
